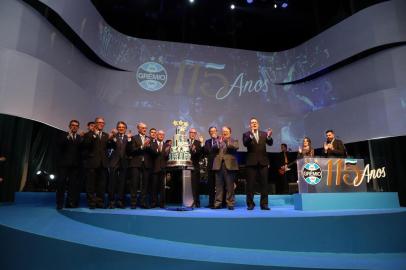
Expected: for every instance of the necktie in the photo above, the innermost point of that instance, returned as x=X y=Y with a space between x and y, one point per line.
x=256 y=136
x=160 y=147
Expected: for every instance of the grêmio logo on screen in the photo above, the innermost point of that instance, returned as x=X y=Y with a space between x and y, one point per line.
x=151 y=76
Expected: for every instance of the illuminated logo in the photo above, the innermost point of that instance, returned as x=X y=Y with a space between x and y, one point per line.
x=151 y=76
x=312 y=173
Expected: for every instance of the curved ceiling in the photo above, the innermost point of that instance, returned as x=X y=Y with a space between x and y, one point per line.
x=258 y=26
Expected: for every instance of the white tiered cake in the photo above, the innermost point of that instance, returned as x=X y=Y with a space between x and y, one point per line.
x=179 y=154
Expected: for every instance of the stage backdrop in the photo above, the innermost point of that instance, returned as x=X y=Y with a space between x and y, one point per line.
x=350 y=78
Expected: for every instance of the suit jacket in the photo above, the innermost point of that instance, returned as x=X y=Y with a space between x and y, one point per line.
x=209 y=152
x=118 y=157
x=69 y=150
x=196 y=154
x=290 y=156
x=96 y=152
x=256 y=151
x=137 y=154
x=227 y=152
x=339 y=150
x=160 y=157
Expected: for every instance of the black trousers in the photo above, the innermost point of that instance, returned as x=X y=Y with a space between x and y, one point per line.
x=139 y=176
x=67 y=179
x=260 y=173
x=158 y=188
x=96 y=185
x=195 y=185
x=211 y=186
x=117 y=184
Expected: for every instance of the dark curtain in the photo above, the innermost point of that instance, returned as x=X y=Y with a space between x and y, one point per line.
x=29 y=146
x=15 y=137
x=390 y=153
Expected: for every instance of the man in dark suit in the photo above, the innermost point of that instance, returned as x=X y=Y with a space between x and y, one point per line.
x=210 y=154
x=139 y=164
x=257 y=162
x=286 y=170
x=225 y=165
x=161 y=155
x=117 y=165
x=196 y=151
x=96 y=163
x=69 y=145
x=333 y=147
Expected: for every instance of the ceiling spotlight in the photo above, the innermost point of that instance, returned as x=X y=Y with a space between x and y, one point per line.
x=275 y=5
x=284 y=5
x=52 y=176
x=191 y=1
x=232 y=6
x=39 y=172
x=250 y=1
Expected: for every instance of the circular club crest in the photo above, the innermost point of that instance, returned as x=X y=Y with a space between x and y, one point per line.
x=151 y=76
x=312 y=173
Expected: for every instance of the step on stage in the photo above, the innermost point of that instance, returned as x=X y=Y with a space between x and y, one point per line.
x=34 y=235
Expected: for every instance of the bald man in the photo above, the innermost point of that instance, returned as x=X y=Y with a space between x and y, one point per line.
x=139 y=164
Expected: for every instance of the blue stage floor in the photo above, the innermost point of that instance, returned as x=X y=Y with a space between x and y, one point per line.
x=34 y=235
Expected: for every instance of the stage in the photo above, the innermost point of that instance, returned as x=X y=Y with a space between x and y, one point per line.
x=37 y=236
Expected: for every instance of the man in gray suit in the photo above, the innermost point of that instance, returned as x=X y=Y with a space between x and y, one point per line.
x=225 y=165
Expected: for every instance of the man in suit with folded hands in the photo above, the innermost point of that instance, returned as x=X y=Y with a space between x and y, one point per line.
x=225 y=165
x=161 y=155
x=140 y=164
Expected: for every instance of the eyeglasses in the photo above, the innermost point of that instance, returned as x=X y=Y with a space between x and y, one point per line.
x=99 y=122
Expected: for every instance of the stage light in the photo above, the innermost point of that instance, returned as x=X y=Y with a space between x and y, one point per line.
x=191 y=1
x=38 y=172
x=275 y=5
x=52 y=176
x=250 y=1
x=284 y=5
x=232 y=6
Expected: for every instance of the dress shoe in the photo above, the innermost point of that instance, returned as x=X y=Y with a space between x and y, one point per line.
x=69 y=205
x=112 y=205
x=120 y=205
x=144 y=206
x=195 y=205
x=265 y=207
x=230 y=207
x=250 y=207
x=100 y=205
